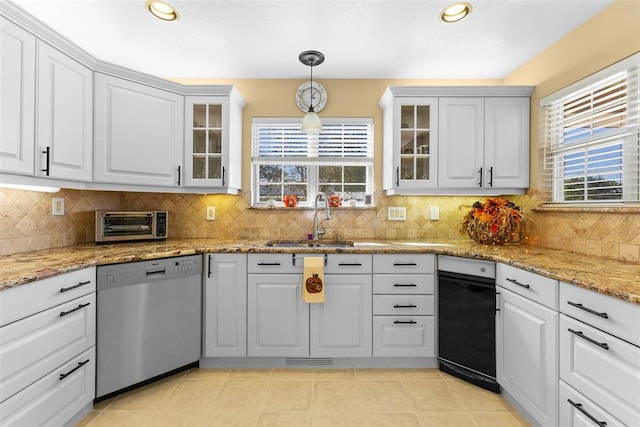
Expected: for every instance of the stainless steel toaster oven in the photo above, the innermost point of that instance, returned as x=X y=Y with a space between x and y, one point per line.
x=127 y=226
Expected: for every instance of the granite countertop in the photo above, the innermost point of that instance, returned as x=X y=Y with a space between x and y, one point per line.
x=610 y=277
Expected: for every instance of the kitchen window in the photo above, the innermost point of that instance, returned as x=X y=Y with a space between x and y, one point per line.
x=338 y=161
x=591 y=138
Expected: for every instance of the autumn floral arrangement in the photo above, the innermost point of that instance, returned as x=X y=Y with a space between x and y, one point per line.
x=495 y=222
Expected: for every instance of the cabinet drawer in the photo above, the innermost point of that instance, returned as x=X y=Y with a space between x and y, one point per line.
x=55 y=398
x=274 y=263
x=403 y=263
x=404 y=336
x=349 y=264
x=34 y=346
x=574 y=407
x=403 y=284
x=22 y=301
x=530 y=285
x=394 y=305
x=469 y=266
x=615 y=316
x=603 y=368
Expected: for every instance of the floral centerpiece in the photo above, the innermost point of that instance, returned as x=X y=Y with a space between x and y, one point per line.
x=496 y=221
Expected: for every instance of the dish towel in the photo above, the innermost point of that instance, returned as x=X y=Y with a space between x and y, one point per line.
x=313 y=280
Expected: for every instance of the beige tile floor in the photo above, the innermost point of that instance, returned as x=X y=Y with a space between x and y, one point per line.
x=306 y=397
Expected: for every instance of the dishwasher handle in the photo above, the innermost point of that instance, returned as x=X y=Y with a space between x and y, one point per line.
x=154 y=274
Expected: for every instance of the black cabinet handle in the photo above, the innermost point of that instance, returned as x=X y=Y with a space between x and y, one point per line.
x=179 y=176
x=404 y=322
x=209 y=267
x=480 y=182
x=81 y=306
x=404 y=285
x=588 y=310
x=405 y=306
x=515 y=282
x=350 y=264
x=591 y=340
x=404 y=264
x=491 y=176
x=579 y=407
x=398 y=176
x=75 y=286
x=80 y=365
x=47 y=154
x=268 y=263
x=223 y=171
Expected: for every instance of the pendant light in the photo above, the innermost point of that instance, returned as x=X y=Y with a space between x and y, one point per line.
x=311 y=123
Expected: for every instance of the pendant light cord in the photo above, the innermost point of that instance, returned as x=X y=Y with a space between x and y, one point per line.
x=311 y=91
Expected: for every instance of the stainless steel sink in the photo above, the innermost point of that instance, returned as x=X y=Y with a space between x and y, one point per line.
x=310 y=244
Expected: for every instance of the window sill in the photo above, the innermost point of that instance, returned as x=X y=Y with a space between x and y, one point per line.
x=310 y=208
x=633 y=209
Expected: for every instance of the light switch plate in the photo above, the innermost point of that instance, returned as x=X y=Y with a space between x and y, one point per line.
x=435 y=213
x=57 y=206
x=396 y=213
x=211 y=213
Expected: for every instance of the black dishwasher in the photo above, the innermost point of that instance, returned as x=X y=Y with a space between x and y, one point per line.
x=466 y=320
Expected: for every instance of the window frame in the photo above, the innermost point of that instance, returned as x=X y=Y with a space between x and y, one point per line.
x=555 y=147
x=313 y=163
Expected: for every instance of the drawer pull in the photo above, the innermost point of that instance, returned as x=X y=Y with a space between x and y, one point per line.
x=404 y=322
x=81 y=306
x=404 y=264
x=515 y=282
x=588 y=310
x=268 y=263
x=404 y=285
x=591 y=340
x=80 y=365
x=405 y=306
x=578 y=406
x=350 y=264
x=75 y=286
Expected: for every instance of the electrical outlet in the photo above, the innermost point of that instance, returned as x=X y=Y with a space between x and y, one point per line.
x=435 y=213
x=57 y=206
x=211 y=213
x=396 y=213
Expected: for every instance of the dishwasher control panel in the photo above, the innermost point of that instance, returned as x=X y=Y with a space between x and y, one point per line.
x=132 y=273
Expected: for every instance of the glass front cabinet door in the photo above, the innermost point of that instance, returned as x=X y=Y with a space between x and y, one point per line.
x=410 y=143
x=213 y=143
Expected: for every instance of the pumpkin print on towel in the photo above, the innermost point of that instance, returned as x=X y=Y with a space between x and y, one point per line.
x=314 y=284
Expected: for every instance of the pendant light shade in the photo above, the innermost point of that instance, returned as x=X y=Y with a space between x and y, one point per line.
x=311 y=123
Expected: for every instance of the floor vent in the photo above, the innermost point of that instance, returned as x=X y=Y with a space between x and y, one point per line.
x=306 y=361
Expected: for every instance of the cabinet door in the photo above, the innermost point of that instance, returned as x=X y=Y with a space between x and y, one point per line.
x=415 y=133
x=138 y=133
x=341 y=326
x=206 y=141
x=460 y=142
x=526 y=361
x=404 y=336
x=506 y=143
x=17 y=103
x=65 y=116
x=225 y=306
x=277 y=318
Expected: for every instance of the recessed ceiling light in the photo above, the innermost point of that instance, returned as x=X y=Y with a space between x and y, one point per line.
x=455 y=12
x=161 y=10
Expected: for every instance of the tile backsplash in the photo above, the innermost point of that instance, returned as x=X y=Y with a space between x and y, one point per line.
x=27 y=223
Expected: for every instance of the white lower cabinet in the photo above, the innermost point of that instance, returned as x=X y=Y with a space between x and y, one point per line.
x=526 y=344
x=225 y=306
x=575 y=410
x=403 y=305
x=47 y=350
x=281 y=324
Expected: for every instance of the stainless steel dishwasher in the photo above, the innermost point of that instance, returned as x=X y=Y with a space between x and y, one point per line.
x=148 y=320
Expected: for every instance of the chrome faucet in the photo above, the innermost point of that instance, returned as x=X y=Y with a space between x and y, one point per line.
x=327 y=215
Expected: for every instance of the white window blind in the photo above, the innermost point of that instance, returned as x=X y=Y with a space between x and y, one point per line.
x=344 y=141
x=591 y=138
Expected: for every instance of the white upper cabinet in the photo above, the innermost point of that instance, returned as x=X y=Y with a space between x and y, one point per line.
x=138 y=133
x=17 y=103
x=213 y=140
x=476 y=140
x=65 y=116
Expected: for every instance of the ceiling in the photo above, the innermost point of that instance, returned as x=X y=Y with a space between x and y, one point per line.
x=360 y=38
